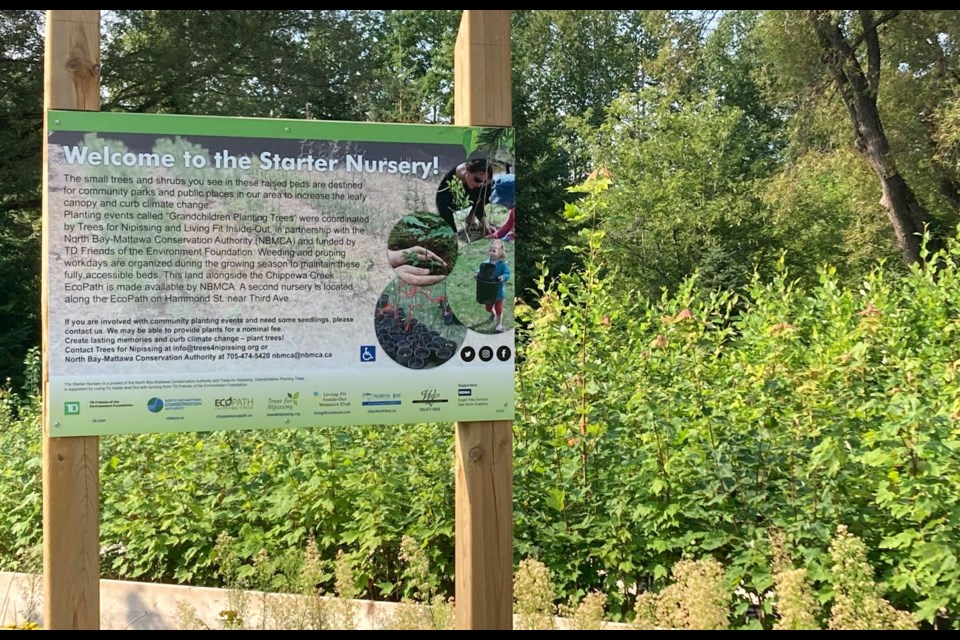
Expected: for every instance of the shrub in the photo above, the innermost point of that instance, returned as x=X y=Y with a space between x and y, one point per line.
x=857 y=603
x=533 y=596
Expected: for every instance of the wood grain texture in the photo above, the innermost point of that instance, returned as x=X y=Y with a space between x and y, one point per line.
x=484 y=450
x=484 y=525
x=71 y=476
x=482 y=81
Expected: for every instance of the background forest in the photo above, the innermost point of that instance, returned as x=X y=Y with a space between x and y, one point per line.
x=734 y=137
x=778 y=187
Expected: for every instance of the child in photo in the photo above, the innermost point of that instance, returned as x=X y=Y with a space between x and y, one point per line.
x=495 y=270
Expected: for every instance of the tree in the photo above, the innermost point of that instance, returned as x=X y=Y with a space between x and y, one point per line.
x=858 y=89
x=683 y=199
x=922 y=79
x=689 y=154
x=21 y=127
x=263 y=63
x=413 y=78
x=886 y=71
x=21 y=108
x=567 y=68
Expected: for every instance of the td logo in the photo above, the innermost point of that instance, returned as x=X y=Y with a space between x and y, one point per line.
x=71 y=408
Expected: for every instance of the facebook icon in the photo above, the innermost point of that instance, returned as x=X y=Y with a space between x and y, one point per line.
x=368 y=353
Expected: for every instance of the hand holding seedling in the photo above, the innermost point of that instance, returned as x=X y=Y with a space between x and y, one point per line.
x=413 y=256
x=407 y=263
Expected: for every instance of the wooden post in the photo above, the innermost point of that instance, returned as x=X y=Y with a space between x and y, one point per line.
x=71 y=475
x=484 y=450
x=482 y=80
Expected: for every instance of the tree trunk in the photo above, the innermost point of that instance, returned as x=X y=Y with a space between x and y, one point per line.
x=859 y=92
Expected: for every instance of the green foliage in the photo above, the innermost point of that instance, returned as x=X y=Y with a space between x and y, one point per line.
x=948 y=132
x=647 y=432
x=684 y=199
x=20 y=480
x=688 y=429
x=567 y=67
x=825 y=209
x=498 y=145
x=21 y=126
x=410 y=64
x=273 y=491
x=909 y=81
x=21 y=109
x=459 y=192
x=263 y=63
x=698 y=596
x=684 y=425
x=427 y=230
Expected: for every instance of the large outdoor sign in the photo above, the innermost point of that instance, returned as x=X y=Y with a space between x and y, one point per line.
x=209 y=273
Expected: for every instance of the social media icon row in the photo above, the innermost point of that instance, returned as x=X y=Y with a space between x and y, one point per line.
x=467 y=354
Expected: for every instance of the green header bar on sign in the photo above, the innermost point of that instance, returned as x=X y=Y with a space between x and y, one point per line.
x=184 y=125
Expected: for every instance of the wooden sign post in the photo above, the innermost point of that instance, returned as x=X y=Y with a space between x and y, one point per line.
x=71 y=473
x=484 y=450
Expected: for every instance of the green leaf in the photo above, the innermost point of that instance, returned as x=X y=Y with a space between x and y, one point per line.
x=555 y=499
x=714 y=540
x=657 y=486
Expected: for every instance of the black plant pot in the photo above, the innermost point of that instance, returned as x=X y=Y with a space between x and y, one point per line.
x=487 y=284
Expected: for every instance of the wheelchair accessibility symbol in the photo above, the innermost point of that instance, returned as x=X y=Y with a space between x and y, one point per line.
x=368 y=353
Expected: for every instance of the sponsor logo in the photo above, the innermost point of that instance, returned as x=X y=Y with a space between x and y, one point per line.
x=284 y=406
x=71 y=408
x=429 y=396
x=155 y=405
x=464 y=392
x=377 y=399
x=233 y=403
x=332 y=399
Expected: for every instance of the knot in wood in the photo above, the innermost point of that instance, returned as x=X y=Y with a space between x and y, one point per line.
x=475 y=453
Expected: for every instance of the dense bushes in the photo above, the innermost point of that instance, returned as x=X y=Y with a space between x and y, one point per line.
x=646 y=433
x=694 y=425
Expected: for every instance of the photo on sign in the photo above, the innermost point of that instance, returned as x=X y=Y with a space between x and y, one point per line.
x=421 y=248
x=415 y=325
x=466 y=190
x=481 y=286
